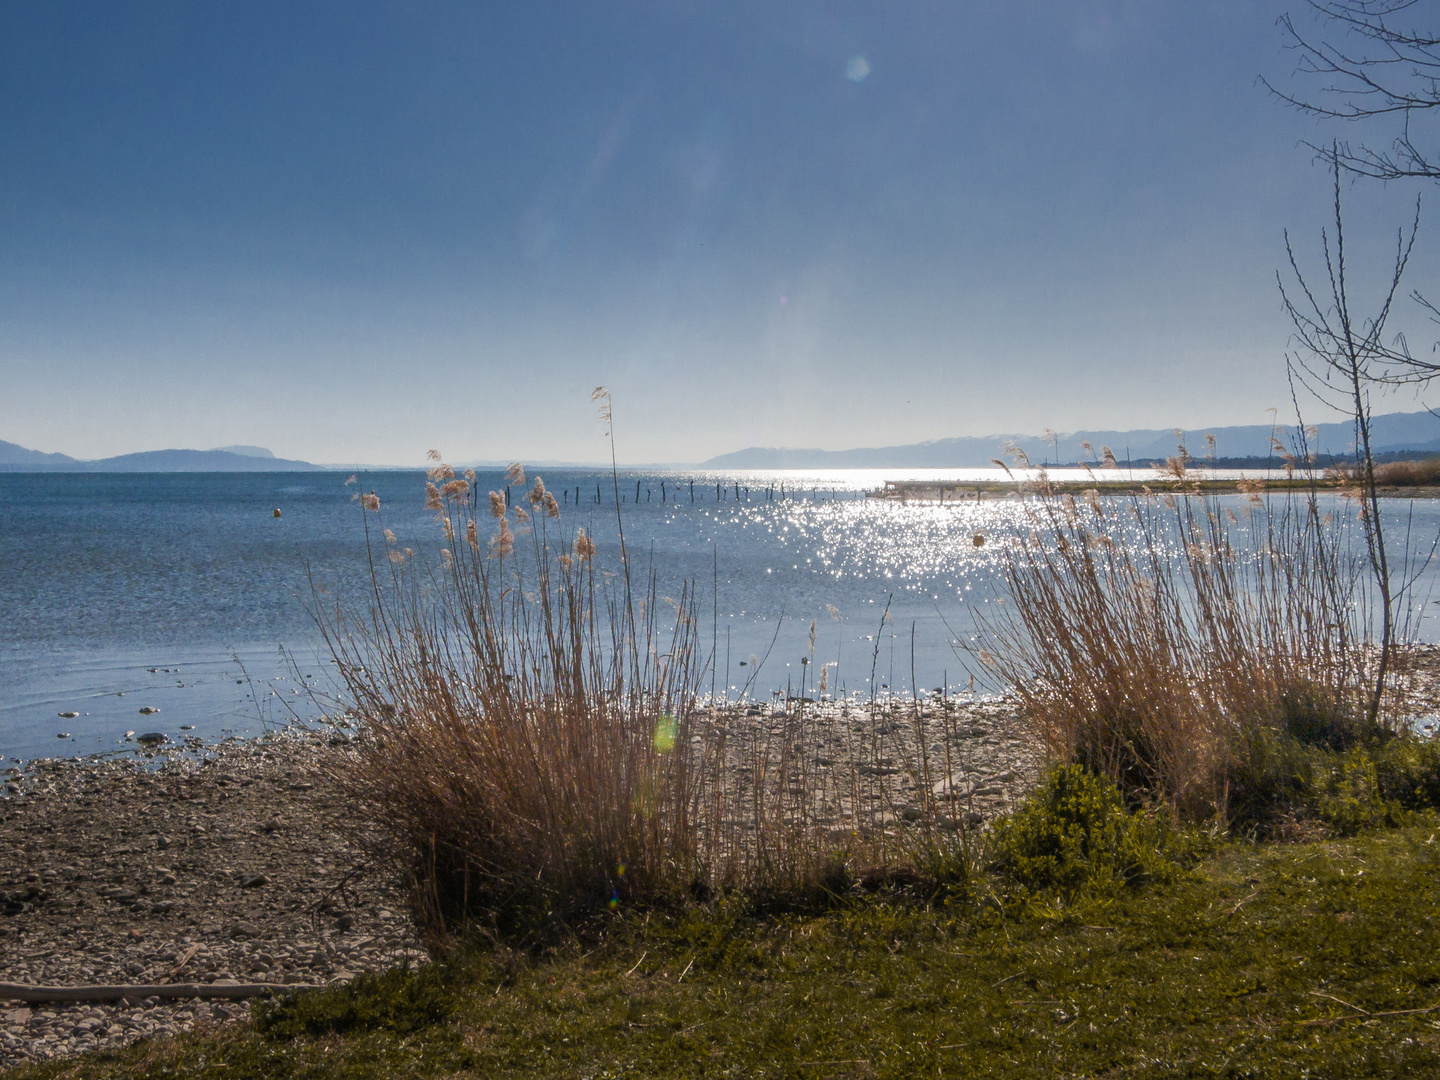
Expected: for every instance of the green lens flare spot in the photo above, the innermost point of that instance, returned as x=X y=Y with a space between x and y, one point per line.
x=665 y=730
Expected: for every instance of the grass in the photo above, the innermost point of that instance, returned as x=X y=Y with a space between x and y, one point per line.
x=1424 y=472
x=524 y=747
x=1266 y=960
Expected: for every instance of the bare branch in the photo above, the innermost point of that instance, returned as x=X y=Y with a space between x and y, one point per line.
x=1371 y=68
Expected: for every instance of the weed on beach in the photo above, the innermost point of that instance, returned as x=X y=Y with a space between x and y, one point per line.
x=1222 y=664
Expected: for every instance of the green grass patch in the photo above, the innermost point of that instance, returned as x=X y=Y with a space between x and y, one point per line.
x=399 y=1002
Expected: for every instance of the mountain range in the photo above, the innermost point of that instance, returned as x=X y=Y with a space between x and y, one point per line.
x=1417 y=432
x=15 y=458
x=1392 y=434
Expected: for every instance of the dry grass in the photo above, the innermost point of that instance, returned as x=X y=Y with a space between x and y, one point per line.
x=526 y=723
x=1160 y=641
x=533 y=747
x=1423 y=472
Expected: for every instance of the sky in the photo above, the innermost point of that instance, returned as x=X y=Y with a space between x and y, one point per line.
x=352 y=232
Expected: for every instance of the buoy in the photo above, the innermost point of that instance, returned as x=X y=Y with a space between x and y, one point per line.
x=277 y=511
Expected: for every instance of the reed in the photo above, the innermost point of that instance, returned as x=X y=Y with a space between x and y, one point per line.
x=1424 y=472
x=532 y=745
x=525 y=722
x=1167 y=642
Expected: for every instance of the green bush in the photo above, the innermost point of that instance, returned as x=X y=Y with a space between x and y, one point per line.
x=1273 y=775
x=1408 y=771
x=1348 y=797
x=1075 y=836
x=1278 y=778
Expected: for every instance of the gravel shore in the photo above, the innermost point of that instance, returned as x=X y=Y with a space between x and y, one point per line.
x=238 y=863
x=226 y=865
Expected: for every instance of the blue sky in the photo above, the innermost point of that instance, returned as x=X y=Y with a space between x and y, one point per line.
x=351 y=232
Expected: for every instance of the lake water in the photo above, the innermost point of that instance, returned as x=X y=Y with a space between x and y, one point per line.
x=184 y=593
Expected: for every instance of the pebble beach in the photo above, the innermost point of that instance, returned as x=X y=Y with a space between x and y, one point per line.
x=238 y=863
x=228 y=865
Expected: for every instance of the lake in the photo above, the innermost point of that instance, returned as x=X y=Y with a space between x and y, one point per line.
x=184 y=593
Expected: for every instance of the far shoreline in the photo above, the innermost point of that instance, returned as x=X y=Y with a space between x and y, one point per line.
x=974 y=490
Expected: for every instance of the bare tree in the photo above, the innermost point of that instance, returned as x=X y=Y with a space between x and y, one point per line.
x=1340 y=355
x=1376 y=65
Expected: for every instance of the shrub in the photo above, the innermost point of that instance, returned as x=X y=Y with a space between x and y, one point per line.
x=1271 y=774
x=1279 y=780
x=1076 y=836
x=1407 y=770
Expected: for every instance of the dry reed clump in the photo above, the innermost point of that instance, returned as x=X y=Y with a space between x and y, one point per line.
x=1166 y=645
x=532 y=747
x=525 y=723
x=1424 y=472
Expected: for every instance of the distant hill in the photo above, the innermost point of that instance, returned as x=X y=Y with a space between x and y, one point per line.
x=1417 y=432
x=197 y=461
x=10 y=454
x=229 y=459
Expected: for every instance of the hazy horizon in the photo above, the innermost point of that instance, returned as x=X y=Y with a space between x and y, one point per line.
x=358 y=232
x=1415 y=431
